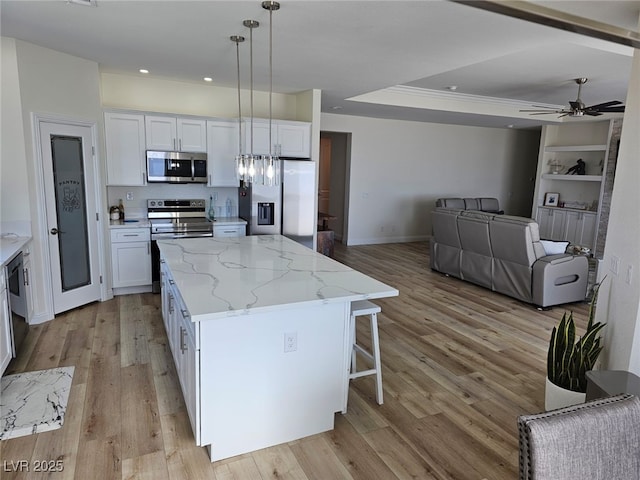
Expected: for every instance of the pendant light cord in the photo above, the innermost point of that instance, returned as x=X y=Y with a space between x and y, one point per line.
x=239 y=106
x=251 y=81
x=270 y=78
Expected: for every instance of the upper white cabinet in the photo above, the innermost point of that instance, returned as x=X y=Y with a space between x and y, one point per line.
x=288 y=138
x=222 y=147
x=175 y=134
x=577 y=215
x=125 y=141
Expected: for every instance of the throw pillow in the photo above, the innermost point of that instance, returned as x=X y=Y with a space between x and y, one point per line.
x=554 y=248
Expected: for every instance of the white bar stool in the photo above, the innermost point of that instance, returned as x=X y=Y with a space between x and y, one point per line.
x=360 y=308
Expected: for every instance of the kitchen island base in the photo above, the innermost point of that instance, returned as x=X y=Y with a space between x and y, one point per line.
x=270 y=378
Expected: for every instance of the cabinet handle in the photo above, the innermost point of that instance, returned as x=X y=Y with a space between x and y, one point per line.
x=144 y=180
x=25 y=272
x=148 y=249
x=180 y=144
x=130 y=235
x=170 y=303
x=162 y=260
x=183 y=345
x=171 y=282
x=185 y=313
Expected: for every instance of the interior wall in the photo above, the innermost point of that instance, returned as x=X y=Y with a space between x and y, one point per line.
x=15 y=213
x=399 y=168
x=54 y=83
x=619 y=299
x=160 y=95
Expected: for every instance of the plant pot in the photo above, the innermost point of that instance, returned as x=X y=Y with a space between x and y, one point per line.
x=558 y=397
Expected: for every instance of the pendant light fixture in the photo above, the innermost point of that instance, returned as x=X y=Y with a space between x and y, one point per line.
x=270 y=161
x=249 y=157
x=241 y=167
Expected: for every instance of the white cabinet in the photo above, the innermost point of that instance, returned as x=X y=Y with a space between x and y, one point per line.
x=175 y=134
x=576 y=227
x=552 y=223
x=222 y=147
x=130 y=257
x=125 y=143
x=5 y=323
x=289 y=138
x=220 y=231
x=581 y=228
x=183 y=336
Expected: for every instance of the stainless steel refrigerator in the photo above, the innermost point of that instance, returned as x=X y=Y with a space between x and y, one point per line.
x=288 y=209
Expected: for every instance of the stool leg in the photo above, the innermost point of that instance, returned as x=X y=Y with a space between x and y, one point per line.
x=354 y=367
x=375 y=347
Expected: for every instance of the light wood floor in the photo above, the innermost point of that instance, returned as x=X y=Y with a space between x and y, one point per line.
x=459 y=364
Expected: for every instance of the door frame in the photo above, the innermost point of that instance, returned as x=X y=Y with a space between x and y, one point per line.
x=41 y=214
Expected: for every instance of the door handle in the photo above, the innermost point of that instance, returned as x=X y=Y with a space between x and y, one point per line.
x=55 y=231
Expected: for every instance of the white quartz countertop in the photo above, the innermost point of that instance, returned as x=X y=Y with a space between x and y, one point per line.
x=134 y=223
x=226 y=221
x=11 y=245
x=220 y=277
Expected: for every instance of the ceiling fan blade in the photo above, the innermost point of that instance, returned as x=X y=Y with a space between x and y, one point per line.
x=592 y=113
x=612 y=109
x=541 y=111
x=600 y=106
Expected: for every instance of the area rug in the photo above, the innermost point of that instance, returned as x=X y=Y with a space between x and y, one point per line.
x=34 y=402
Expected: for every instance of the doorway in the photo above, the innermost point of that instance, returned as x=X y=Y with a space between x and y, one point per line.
x=70 y=207
x=333 y=181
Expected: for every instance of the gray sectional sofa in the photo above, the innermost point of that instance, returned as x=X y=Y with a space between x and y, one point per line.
x=483 y=204
x=504 y=253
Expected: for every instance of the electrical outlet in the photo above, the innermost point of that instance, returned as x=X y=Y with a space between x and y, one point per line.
x=290 y=342
x=129 y=196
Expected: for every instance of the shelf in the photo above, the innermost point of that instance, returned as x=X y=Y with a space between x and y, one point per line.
x=569 y=209
x=573 y=178
x=576 y=148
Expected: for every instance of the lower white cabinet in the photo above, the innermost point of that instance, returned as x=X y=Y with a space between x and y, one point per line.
x=220 y=231
x=130 y=257
x=183 y=335
x=576 y=227
x=5 y=323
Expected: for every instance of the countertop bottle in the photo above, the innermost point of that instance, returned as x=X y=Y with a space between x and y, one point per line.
x=212 y=213
x=121 y=208
x=228 y=207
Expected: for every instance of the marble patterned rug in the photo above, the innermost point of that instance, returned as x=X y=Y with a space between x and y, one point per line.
x=34 y=402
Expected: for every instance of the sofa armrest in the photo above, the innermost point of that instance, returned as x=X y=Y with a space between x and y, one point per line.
x=558 y=279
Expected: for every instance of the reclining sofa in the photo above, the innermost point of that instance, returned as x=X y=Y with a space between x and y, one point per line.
x=504 y=253
x=483 y=204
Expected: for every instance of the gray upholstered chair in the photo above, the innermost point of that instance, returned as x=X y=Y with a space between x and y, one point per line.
x=596 y=440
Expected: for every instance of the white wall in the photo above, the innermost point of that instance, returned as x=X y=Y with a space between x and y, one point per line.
x=15 y=214
x=399 y=169
x=53 y=83
x=619 y=302
x=144 y=93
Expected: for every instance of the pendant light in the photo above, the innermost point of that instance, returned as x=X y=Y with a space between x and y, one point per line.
x=270 y=161
x=249 y=157
x=241 y=167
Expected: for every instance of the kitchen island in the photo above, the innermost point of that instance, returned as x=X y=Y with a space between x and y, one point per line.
x=258 y=327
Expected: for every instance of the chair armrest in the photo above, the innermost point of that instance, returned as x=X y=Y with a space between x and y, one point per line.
x=558 y=279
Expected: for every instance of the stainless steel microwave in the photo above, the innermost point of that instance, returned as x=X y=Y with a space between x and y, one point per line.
x=176 y=167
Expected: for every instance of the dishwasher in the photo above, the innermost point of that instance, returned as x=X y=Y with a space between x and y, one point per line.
x=17 y=302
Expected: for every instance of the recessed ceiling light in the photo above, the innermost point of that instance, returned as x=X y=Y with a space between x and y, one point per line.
x=143 y=70
x=208 y=79
x=452 y=88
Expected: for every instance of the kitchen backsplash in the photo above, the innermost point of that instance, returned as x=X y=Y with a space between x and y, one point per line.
x=137 y=206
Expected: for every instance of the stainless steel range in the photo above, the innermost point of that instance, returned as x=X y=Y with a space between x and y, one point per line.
x=175 y=219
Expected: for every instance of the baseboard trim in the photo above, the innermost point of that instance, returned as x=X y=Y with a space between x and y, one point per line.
x=382 y=240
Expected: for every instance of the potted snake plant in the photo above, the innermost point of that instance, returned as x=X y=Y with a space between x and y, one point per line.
x=568 y=360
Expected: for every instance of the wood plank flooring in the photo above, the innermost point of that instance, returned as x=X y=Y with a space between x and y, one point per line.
x=459 y=364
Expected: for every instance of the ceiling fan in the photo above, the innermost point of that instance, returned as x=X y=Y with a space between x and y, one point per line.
x=578 y=108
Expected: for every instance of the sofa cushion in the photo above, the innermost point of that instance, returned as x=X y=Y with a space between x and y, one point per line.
x=552 y=247
x=457 y=203
x=471 y=204
x=489 y=204
x=476 y=261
